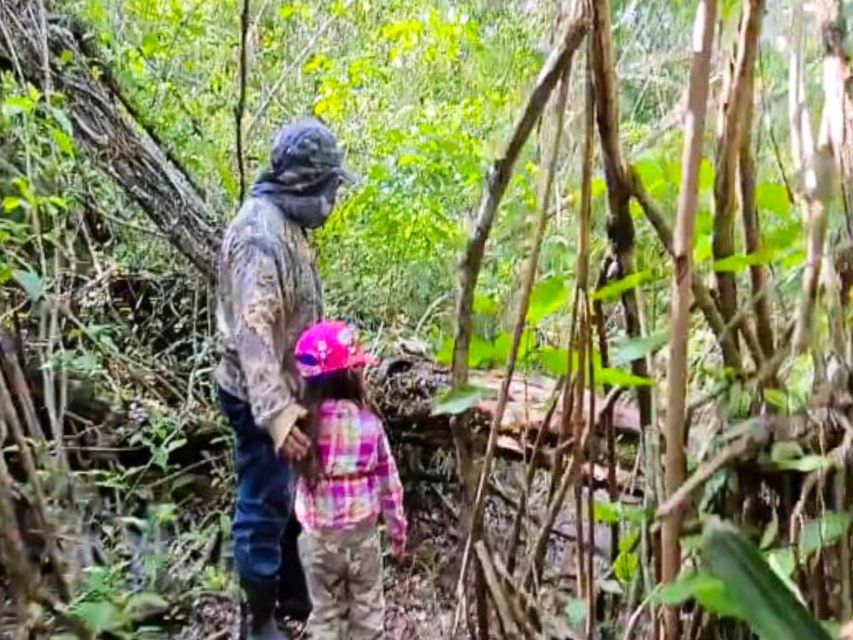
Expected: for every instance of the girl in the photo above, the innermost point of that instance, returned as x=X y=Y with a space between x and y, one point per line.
x=350 y=480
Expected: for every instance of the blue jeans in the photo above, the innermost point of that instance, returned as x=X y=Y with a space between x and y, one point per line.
x=265 y=533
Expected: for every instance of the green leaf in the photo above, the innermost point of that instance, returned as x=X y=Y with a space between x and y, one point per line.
x=620 y=378
x=777 y=398
x=547 y=297
x=636 y=348
x=10 y=203
x=31 y=283
x=625 y=566
x=503 y=341
x=806 y=464
x=555 y=361
x=706 y=175
x=150 y=44
x=459 y=401
x=444 y=353
x=629 y=541
x=480 y=352
x=597 y=188
x=98 y=616
x=702 y=586
x=576 y=612
x=772 y=197
x=771 y=531
x=613 y=290
x=13 y=105
x=773 y=611
x=143 y=604
x=63 y=141
x=485 y=305
x=606 y=512
x=738 y=261
x=782 y=563
x=823 y=532
x=651 y=171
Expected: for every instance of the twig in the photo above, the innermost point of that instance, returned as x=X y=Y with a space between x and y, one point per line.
x=497 y=593
x=756 y=436
x=530 y=474
x=9 y=416
x=241 y=99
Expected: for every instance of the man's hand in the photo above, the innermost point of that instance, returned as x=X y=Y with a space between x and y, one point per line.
x=287 y=436
x=296 y=444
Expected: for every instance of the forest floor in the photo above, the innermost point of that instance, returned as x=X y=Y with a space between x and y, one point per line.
x=420 y=596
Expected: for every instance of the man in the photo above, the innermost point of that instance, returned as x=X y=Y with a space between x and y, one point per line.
x=268 y=293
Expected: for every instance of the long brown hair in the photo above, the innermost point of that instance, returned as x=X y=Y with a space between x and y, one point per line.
x=346 y=384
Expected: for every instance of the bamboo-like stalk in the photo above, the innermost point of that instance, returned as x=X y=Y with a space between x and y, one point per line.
x=703 y=36
x=733 y=112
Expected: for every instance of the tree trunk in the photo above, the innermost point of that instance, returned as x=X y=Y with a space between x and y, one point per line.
x=105 y=127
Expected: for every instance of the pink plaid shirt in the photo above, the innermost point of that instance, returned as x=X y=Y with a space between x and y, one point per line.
x=358 y=477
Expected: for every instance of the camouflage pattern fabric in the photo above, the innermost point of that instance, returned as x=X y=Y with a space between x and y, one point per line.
x=344 y=575
x=268 y=294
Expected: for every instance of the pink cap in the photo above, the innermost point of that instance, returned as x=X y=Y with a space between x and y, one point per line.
x=327 y=347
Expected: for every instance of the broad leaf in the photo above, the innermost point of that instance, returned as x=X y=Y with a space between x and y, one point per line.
x=625 y=566
x=773 y=611
x=98 y=616
x=459 y=401
x=772 y=197
x=613 y=290
x=823 y=532
x=636 y=348
x=31 y=283
x=13 y=105
x=547 y=297
x=620 y=378
x=806 y=464
x=705 y=588
x=140 y=604
x=555 y=361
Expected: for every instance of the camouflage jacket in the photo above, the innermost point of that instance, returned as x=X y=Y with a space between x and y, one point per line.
x=268 y=293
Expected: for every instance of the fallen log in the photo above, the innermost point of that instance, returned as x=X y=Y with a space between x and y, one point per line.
x=107 y=127
x=405 y=388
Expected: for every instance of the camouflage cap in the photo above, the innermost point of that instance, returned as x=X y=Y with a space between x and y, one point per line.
x=305 y=153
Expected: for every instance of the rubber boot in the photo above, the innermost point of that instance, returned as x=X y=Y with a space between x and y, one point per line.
x=261 y=600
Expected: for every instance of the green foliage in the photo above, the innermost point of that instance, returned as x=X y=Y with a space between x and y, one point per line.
x=822 y=532
x=762 y=598
x=459 y=401
x=548 y=297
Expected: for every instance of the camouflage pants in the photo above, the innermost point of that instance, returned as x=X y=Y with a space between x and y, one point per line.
x=344 y=574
